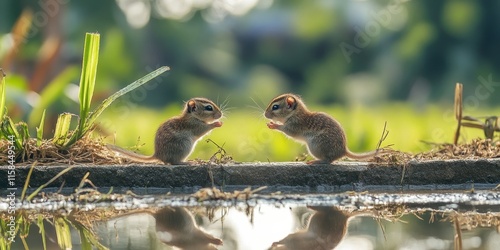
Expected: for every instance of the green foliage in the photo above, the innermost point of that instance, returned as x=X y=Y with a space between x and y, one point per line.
x=87 y=80
x=64 y=136
x=52 y=93
x=41 y=231
x=63 y=232
x=24 y=134
x=5 y=243
x=62 y=225
x=2 y=94
x=460 y=17
x=24 y=228
x=62 y=132
x=88 y=238
x=39 y=130
x=87 y=84
x=9 y=130
x=32 y=195
x=98 y=111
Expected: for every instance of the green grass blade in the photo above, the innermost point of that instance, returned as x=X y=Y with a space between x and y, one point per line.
x=9 y=130
x=87 y=236
x=62 y=129
x=63 y=233
x=25 y=133
x=39 y=223
x=121 y=92
x=53 y=92
x=88 y=76
x=48 y=182
x=26 y=183
x=24 y=230
x=39 y=130
x=2 y=94
x=85 y=241
x=5 y=243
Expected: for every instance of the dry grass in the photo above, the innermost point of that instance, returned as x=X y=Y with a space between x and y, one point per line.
x=472 y=220
x=88 y=151
x=216 y=194
x=84 y=151
x=476 y=149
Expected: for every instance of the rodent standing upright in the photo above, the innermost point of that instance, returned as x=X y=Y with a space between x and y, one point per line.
x=323 y=135
x=176 y=138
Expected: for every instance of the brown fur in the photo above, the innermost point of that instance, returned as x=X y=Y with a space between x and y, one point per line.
x=324 y=136
x=185 y=234
x=176 y=138
x=326 y=229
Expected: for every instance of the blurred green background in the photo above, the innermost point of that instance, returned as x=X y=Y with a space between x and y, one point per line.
x=363 y=62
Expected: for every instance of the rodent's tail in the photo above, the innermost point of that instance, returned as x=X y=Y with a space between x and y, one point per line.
x=361 y=156
x=131 y=155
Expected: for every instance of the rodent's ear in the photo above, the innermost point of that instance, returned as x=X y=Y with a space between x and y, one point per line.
x=291 y=102
x=191 y=106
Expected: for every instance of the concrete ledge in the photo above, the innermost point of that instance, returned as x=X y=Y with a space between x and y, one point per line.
x=438 y=172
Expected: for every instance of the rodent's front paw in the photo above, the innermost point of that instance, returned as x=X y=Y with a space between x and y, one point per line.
x=273 y=125
x=217 y=124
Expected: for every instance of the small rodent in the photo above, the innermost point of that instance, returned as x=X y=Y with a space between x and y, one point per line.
x=325 y=230
x=176 y=226
x=323 y=135
x=176 y=138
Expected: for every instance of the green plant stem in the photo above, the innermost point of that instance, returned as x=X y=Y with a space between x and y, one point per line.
x=87 y=79
x=48 y=182
x=2 y=94
x=26 y=183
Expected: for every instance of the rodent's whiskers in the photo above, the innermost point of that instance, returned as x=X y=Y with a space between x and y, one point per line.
x=258 y=108
x=224 y=108
x=223 y=105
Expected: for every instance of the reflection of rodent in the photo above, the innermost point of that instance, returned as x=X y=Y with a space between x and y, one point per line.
x=175 y=139
x=324 y=136
x=175 y=226
x=327 y=227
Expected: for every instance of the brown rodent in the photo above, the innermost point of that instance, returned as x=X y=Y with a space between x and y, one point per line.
x=176 y=138
x=176 y=226
x=325 y=230
x=323 y=135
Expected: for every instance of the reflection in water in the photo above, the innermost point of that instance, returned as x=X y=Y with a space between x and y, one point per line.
x=175 y=226
x=326 y=228
x=259 y=228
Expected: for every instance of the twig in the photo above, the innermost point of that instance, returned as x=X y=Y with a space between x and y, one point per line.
x=458 y=110
x=61 y=187
x=458 y=234
x=82 y=182
x=383 y=136
x=217 y=145
x=403 y=174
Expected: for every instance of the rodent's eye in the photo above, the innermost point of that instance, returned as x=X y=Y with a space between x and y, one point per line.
x=209 y=108
x=276 y=106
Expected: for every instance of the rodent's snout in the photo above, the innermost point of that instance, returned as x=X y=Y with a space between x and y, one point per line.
x=217 y=115
x=268 y=115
